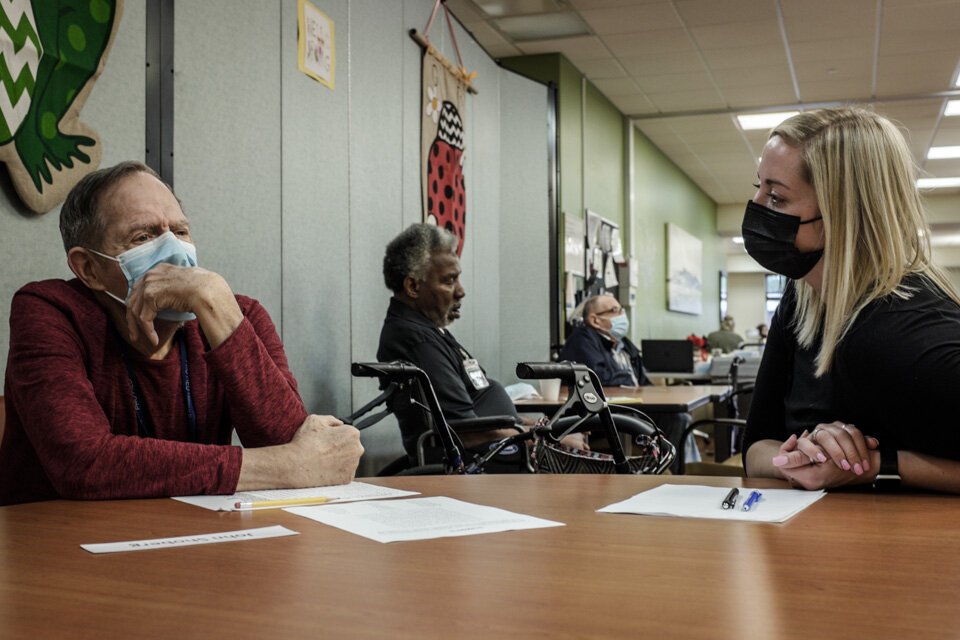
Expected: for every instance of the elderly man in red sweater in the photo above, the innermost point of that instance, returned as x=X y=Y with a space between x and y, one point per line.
x=127 y=381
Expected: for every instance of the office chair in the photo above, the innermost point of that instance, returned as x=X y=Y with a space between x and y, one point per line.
x=734 y=421
x=406 y=383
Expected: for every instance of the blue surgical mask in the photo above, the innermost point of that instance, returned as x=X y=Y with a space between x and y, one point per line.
x=135 y=263
x=619 y=326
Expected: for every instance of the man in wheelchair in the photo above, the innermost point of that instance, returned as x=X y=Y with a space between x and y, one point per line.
x=422 y=270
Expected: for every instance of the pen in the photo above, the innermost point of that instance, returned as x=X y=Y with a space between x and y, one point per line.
x=731 y=500
x=288 y=502
x=752 y=500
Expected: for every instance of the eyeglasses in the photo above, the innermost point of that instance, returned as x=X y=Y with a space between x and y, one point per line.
x=614 y=311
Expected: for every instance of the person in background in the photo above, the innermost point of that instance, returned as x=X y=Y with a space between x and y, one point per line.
x=601 y=343
x=859 y=375
x=762 y=331
x=725 y=338
x=422 y=270
x=127 y=381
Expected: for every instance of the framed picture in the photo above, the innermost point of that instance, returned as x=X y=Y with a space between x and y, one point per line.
x=684 y=271
x=317 y=54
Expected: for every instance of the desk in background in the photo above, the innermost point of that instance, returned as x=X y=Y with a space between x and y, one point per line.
x=656 y=399
x=872 y=566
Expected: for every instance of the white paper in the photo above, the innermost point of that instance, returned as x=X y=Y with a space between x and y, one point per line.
x=336 y=493
x=573 y=244
x=610 y=274
x=420 y=519
x=186 y=541
x=616 y=245
x=698 y=501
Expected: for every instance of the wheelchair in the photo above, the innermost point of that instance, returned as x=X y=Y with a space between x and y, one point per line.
x=585 y=409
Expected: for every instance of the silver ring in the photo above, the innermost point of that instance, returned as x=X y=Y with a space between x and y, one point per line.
x=813 y=436
x=845 y=427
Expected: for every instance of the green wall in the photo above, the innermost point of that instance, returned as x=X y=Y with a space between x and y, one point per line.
x=662 y=194
x=593 y=173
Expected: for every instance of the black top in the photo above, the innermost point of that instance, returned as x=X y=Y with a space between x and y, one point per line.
x=895 y=375
x=588 y=346
x=408 y=335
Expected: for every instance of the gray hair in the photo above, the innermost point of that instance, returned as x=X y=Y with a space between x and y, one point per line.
x=409 y=253
x=81 y=221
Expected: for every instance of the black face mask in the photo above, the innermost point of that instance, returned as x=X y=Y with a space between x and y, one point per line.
x=769 y=236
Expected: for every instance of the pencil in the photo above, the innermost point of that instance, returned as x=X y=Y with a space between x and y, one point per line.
x=287 y=502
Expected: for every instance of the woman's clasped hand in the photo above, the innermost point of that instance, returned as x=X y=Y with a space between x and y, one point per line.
x=831 y=455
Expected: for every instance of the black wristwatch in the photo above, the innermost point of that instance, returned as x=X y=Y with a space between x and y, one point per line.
x=889 y=477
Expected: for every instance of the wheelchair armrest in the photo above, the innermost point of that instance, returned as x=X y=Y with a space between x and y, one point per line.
x=486 y=423
x=626 y=424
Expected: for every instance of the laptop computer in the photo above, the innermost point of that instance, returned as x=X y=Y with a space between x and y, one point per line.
x=667 y=356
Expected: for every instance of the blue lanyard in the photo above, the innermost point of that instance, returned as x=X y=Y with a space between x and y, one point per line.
x=145 y=426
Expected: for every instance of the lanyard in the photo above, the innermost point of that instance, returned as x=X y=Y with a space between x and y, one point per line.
x=145 y=426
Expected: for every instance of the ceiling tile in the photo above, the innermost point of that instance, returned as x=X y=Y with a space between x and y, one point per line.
x=758 y=75
x=834 y=90
x=922 y=19
x=687 y=100
x=760 y=95
x=675 y=82
x=466 y=11
x=633 y=19
x=501 y=8
x=586 y=5
x=485 y=34
x=825 y=19
x=899 y=43
x=653 y=42
x=746 y=57
x=845 y=69
x=603 y=68
x=830 y=49
x=659 y=64
x=576 y=48
x=501 y=51
x=698 y=13
x=611 y=87
x=737 y=34
x=634 y=105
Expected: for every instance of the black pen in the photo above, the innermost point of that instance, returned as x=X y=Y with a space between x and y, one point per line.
x=731 y=500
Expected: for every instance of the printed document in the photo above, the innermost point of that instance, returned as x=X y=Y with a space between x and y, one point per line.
x=419 y=519
x=277 y=498
x=698 y=501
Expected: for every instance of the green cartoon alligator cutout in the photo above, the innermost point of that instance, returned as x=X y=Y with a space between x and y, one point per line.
x=51 y=53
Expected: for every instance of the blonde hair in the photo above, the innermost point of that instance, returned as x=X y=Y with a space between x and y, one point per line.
x=875 y=228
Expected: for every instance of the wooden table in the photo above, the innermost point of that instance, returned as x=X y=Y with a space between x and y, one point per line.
x=852 y=565
x=655 y=399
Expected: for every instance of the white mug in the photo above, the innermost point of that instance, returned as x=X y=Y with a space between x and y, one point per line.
x=550 y=389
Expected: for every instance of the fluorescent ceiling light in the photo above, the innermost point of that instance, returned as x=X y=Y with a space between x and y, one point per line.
x=737 y=240
x=953 y=108
x=936 y=153
x=502 y=8
x=545 y=26
x=938 y=183
x=763 y=120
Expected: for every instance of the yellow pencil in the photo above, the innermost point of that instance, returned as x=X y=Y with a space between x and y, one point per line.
x=287 y=502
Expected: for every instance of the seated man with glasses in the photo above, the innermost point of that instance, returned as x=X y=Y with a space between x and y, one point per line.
x=601 y=343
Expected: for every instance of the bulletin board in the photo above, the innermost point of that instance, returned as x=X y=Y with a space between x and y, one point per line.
x=601 y=252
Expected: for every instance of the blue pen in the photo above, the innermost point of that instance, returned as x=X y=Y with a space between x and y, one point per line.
x=752 y=500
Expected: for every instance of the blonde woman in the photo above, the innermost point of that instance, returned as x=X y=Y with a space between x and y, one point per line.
x=862 y=364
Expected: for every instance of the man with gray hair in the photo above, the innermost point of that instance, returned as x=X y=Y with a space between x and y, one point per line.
x=422 y=270
x=127 y=381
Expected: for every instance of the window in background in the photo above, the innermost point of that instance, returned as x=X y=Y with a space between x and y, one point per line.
x=723 y=295
x=775 y=284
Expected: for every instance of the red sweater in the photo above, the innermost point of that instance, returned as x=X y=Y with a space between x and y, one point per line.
x=71 y=429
